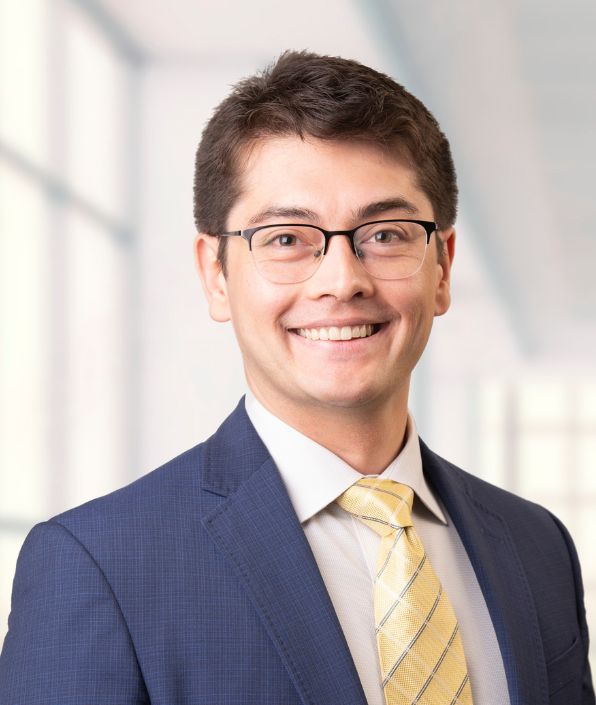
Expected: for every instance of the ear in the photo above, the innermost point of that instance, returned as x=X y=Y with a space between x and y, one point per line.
x=212 y=277
x=443 y=288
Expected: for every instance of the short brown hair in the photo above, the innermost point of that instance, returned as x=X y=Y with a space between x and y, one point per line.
x=325 y=97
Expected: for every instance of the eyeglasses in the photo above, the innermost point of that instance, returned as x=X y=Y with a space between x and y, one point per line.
x=291 y=253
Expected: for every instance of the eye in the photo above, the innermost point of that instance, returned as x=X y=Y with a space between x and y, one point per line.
x=390 y=235
x=284 y=239
x=387 y=234
x=276 y=239
x=383 y=236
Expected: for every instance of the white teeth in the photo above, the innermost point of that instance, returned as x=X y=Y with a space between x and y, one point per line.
x=335 y=333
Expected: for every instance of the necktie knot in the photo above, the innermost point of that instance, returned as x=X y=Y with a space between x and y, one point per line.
x=384 y=505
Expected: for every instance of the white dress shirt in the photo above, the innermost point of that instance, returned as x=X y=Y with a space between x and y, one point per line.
x=345 y=550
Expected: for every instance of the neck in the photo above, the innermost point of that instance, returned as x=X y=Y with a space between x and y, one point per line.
x=366 y=437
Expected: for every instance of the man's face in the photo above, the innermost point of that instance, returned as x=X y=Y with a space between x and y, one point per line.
x=325 y=183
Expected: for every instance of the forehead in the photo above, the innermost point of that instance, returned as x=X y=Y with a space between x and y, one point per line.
x=327 y=177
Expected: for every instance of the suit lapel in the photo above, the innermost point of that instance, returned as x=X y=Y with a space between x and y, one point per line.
x=257 y=529
x=501 y=576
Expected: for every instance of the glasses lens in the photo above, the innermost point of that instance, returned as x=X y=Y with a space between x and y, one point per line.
x=287 y=254
x=392 y=250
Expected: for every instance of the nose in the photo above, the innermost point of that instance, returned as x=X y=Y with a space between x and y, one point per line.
x=340 y=274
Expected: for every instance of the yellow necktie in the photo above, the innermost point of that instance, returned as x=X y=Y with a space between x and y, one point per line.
x=420 y=650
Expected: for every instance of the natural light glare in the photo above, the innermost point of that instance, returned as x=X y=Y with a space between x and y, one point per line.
x=542 y=463
x=96 y=100
x=97 y=344
x=24 y=347
x=586 y=452
x=492 y=457
x=24 y=77
x=493 y=400
x=543 y=401
x=586 y=406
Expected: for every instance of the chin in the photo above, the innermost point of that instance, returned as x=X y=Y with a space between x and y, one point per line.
x=344 y=398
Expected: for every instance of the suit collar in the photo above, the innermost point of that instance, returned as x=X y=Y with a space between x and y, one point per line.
x=232 y=454
x=500 y=573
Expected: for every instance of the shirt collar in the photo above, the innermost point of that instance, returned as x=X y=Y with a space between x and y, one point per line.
x=314 y=476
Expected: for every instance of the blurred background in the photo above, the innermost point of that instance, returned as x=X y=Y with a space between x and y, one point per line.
x=110 y=364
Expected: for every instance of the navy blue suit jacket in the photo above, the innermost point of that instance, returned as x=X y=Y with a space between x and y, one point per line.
x=196 y=585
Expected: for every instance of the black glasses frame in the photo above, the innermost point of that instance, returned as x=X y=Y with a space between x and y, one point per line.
x=429 y=226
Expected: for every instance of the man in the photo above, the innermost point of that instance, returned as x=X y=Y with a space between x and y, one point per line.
x=313 y=550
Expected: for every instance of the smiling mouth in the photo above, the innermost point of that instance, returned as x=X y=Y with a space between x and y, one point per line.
x=339 y=333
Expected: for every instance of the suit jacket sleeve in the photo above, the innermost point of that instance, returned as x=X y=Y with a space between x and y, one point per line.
x=67 y=641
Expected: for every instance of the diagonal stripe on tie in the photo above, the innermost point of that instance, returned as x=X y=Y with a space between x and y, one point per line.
x=419 y=644
x=414 y=639
x=398 y=534
x=402 y=594
x=433 y=673
x=465 y=682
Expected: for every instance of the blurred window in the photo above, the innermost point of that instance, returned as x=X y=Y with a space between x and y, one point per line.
x=66 y=236
x=538 y=439
x=95 y=89
x=24 y=78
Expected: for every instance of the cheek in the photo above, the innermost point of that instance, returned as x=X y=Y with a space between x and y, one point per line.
x=410 y=298
x=257 y=307
x=413 y=302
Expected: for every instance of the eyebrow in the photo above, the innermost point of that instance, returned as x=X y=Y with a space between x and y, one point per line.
x=389 y=204
x=370 y=210
x=283 y=212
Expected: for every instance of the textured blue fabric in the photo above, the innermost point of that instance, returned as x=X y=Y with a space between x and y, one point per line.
x=196 y=585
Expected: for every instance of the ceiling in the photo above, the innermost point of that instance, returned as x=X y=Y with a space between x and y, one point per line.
x=512 y=84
